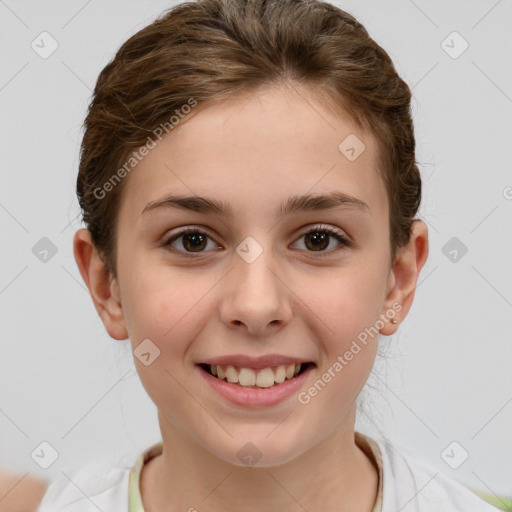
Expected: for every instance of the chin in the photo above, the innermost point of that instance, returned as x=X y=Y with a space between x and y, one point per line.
x=260 y=451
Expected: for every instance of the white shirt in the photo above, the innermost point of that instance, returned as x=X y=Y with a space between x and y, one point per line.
x=405 y=484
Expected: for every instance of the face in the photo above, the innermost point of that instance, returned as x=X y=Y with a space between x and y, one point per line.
x=261 y=278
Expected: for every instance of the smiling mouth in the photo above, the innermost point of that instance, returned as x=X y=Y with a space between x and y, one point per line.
x=258 y=377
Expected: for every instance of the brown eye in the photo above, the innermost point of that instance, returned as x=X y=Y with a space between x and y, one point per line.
x=195 y=242
x=319 y=239
x=192 y=241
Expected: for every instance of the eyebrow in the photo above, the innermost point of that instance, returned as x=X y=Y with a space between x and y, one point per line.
x=294 y=204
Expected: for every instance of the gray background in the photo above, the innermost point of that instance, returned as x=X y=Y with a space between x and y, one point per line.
x=63 y=380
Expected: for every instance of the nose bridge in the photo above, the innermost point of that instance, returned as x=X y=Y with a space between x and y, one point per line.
x=253 y=263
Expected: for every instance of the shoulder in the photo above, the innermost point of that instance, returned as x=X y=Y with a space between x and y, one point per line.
x=412 y=485
x=96 y=486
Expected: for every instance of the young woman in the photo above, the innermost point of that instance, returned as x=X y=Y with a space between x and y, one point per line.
x=249 y=188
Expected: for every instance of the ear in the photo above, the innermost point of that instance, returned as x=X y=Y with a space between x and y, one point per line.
x=403 y=276
x=103 y=287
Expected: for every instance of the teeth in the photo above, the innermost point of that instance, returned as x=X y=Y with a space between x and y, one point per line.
x=280 y=374
x=247 y=377
x=263 y=378
x=231 y=374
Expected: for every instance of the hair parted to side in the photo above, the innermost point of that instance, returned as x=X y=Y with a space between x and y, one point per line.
x=209 y=50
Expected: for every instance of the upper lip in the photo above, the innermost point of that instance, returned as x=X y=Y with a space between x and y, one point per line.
x=244 y=361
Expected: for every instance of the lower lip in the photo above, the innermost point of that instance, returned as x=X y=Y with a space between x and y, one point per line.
x=254 y=397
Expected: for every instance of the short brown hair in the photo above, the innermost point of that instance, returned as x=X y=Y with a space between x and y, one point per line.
x=209 y=50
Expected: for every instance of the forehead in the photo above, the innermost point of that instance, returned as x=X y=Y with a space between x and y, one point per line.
x=255 y=150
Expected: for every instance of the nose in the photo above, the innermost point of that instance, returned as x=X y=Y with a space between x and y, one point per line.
x=256 y=297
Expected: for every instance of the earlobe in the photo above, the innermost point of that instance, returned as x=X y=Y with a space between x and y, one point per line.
x=103 y=288
x=404 y=275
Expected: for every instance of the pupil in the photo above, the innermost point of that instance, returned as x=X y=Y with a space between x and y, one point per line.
x=318 y=237
x=195 y=240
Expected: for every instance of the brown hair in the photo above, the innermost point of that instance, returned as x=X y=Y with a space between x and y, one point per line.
x=208 y=50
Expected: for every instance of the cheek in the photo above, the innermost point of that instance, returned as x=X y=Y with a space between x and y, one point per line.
x=345 y=318
x=171 y=313
x=346 y=300
x=162 y=305
x=171 y=310
x=346 y=306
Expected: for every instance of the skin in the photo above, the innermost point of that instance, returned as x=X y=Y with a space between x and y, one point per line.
x=20 y=493
x=254 y=151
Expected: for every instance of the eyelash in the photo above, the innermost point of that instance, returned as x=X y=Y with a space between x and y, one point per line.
x=317 y=229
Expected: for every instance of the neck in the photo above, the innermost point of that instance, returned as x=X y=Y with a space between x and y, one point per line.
x=335 y=475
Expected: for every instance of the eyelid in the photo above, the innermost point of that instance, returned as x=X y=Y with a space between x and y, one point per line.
x=325 y=227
